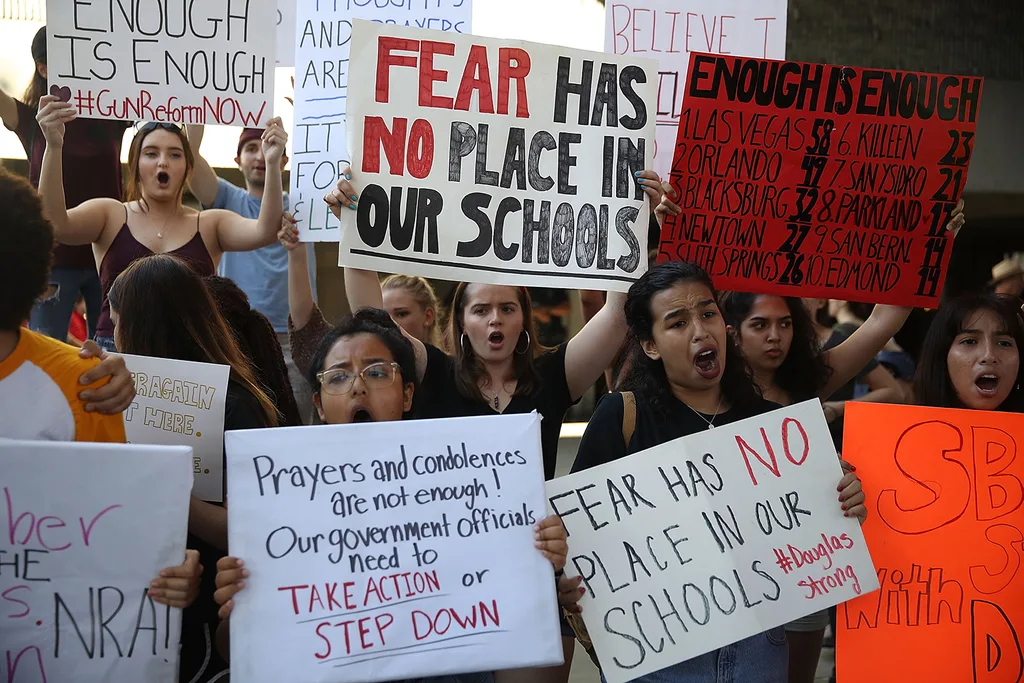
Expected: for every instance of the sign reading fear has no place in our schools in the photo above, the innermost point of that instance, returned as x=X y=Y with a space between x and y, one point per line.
x=322 y=40
x=182 y=403
x=497 y=161
x=946 y=527
x=669 y=30
x=389 y=551
x=827 y=181
x=85 y=528
x=177 y=61
x=709 y=539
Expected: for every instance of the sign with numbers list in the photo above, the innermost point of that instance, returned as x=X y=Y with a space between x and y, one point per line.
x=813 y=180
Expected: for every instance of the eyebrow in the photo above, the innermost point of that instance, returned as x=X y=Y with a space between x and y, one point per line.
x=676 y=312
x=998 y=333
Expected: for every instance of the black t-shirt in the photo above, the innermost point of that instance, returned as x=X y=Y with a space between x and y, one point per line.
x=199 y=659
x=603 y=441
x=440 y=397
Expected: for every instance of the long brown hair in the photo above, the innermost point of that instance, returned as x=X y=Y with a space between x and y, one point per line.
x=133 y=191
x=37 y=86
x=165 y=310
x=469 y=369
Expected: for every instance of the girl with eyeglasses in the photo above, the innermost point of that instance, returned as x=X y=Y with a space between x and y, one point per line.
x=364 y=370
x=153 y=219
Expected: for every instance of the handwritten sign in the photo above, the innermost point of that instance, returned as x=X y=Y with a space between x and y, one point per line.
x=728 y=532
x=324 y=37
x=668 y=30
x=179 y=62
x=826 y=181
x=182 y=403
x=85 y=529
x=945 y=526
x=286 y=32
x=390 y=551
x=536 y=148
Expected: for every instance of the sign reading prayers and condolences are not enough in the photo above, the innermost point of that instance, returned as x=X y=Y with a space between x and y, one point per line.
x=323 y=34
x=386 y=551
x=946 y=527
x=177 y=61
x=668 y=30
x=85 y=529
x=709 y=539
x=497 y=161
x=827 y=181
x=182 y=403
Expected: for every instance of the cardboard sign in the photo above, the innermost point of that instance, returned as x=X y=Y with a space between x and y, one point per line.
x=820 y=181
x=180 y=62
x=946 y=528
x=497 y=161
x=85 y=529
x=668 y=30
x=710 y=539
x=286 y=32
x=178 y=403
x=388 y=551
x=323 y=34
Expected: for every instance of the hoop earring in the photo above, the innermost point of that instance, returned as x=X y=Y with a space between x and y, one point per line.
x=462 y=343
x=527 y=344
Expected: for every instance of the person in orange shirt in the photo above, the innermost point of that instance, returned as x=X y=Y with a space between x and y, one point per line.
x=40 y=377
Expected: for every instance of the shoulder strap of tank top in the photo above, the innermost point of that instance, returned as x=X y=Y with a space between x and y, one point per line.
x=628 y=416
x=125 y=213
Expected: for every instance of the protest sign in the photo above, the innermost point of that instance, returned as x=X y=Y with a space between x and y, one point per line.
x=323 y=34
x=708 y=539
x=286 y=32
x=177 y=61
x=178 y=403
x=668 y=30
x=821 y=181
x=86 y=528
x=534 y=183
x=945 y=527
x=385 y=551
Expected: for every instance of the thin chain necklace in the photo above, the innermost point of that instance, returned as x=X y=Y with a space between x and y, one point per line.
x=497 y=394
x=711 y=422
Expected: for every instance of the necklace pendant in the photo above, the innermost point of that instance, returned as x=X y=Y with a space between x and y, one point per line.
x=160 y=235
x=711 y=426
x=495 y=402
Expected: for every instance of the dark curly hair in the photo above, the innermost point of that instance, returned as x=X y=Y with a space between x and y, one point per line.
x=645 y=376
x=932 y=385
x=258 y=342
x=804 y=372
x=368 y=321
x=26 y=241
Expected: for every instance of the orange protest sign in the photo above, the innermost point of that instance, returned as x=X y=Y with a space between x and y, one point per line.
x=945 y=532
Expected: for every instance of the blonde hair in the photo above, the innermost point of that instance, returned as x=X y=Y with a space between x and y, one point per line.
x=422 y=293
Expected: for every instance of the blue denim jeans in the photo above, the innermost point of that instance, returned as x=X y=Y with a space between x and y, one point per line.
x=107 y=344
x=52 y=315
x=763 y=658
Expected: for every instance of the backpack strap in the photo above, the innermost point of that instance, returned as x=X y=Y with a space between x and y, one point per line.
x=628 y=416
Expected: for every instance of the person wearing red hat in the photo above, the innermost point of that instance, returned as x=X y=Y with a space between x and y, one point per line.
x=263 y=273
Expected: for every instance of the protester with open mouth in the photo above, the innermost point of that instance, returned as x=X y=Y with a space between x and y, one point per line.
x=971 y=355
x=162 y=308
x=153 y=220
x=364 y=370
x=686 y=374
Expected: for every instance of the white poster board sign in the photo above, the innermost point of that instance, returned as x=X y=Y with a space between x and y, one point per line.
x=321 y=44
x=734 y=530
x=179 y=403
x=209 y=62
x=85 y=529
x=497 y=161
x=386 y=551
x=286 y=32
x=669 y=30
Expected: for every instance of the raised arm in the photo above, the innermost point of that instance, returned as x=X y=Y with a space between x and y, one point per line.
x=592 y=350
x=84 y=224
x=235 y=233
x=300 y=293
x=8 y=111
x=882 y=388
x=203 y=183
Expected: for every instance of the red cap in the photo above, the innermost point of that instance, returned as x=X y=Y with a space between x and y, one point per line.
x=247 y=135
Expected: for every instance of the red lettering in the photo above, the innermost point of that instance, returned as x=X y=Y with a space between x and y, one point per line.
x=429 y=75
x=88 y=530
x=376 y=134
x=996 y=494
x=386 y=59
x=476 y=77
x=996 y=652
x=348 y=595
x=637 y=11
x=12 y=667
x=507 y=72
x=24 y=604
x=295 y=597
x=421 y=149
x=617 y=31
x=314 y=597
x=59 y=525
x=1004 y=537
x=772 y=466
x=333 y=604
x=327 y=641
x=12 y=523
x=785 y=441
x=381 y=625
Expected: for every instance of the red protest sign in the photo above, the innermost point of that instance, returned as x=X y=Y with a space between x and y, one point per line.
x=812 y=180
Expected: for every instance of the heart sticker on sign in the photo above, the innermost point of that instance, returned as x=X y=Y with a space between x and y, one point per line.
x=61 y=93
